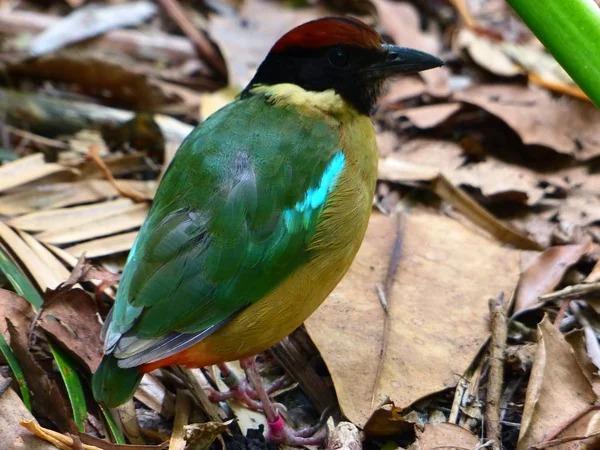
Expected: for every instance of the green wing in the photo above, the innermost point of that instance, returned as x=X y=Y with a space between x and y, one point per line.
x=231 y=220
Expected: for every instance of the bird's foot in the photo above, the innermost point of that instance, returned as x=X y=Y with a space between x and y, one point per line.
x=280 y=433
x=241 y=391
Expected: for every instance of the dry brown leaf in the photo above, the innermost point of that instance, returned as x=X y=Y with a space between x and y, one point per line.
x=199 y=436
x=569 y=126
x=445 y=435
x=13 y=435
x=400 y=90
x=116 y=223
x=495 y=179
x=487 y=53
x=35 y=265
x=104 y=246
x=430 y=116
x=397 y=169
x=71 y=319
x=90 y=21
x=246 y=38
x=28 y=169
x=438 y=312
x=58 y=219
x=53 y=265
x=46 y=196
x=17 y=309
x=46 y=400
x=557 y=391
x=401 y=21
x=545 y=272
x=577 y=340
x=155 y=396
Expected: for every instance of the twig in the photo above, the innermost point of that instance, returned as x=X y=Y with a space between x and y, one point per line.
x=465 y=14
x=584 y=290
x=496 y=376
x=459 y=393
x=568 y=423
x=384 y=298
x=205 y=48
x=561 y=313
x=561 y=88
x=125 y=191
x=183 y=407
x=555 y=442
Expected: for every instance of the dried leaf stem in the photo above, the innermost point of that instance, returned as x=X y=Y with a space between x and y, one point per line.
x=123 y=190
x=205 y=48
x=496 y=376
x=583 y=290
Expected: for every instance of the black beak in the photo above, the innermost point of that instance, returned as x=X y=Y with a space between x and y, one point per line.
x=401 y=60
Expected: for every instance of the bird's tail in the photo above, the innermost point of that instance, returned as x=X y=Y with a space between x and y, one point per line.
x=113 y=385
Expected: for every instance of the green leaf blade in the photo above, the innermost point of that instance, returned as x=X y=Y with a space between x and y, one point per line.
x=73 y=384
x=570 y=30
x=16 y=370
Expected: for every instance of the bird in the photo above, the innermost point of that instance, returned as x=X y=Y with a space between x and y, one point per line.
x=259 y=214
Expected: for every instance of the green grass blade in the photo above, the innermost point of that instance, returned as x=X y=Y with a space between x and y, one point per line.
x=73 y=385
x=570 y=30
x=112 y=425
x=20 y=283
x=16 y=370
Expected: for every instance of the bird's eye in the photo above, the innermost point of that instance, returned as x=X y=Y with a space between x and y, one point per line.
x=338 y=57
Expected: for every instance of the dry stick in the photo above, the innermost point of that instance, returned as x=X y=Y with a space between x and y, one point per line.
x=584 y=290
x=570 y=422
x=561 y=313
x=496 y=375
x=384 y=297
x=561 y=88
x=123 y=190
x=547 y=444
x=183 y=408
x=205 y=48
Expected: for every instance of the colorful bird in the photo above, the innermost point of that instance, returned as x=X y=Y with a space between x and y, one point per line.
x=259 y=215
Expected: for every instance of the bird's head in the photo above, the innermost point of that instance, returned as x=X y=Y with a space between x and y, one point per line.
x=342 y=54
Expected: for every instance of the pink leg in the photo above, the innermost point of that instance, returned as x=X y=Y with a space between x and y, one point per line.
x=278 y=431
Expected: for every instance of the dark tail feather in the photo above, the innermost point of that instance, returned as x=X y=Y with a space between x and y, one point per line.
x=112 y=385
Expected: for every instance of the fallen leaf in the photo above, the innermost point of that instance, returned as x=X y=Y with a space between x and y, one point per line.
x=35 y=265
x=445 y=435
x=199 y=436
x=13 y=435
x=487 y=53
x=545 y=272
x=495 y=179
x=430 y=116
x=47 y=400
x=17 y=309
x=57 y=195
x=118 y=222
x=557 y=391
x=577 y=340
x=58 y=219
x=71 y=319
x=90 y=21
x=401 y=21
x=104 y=246
x=246 y=38
x=438 y=312
x=568 y=126
x=28 y=169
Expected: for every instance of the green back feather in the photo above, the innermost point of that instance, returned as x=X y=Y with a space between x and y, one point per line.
x=231 y=220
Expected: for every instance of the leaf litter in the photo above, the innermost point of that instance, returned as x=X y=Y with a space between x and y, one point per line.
x=491 y=163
